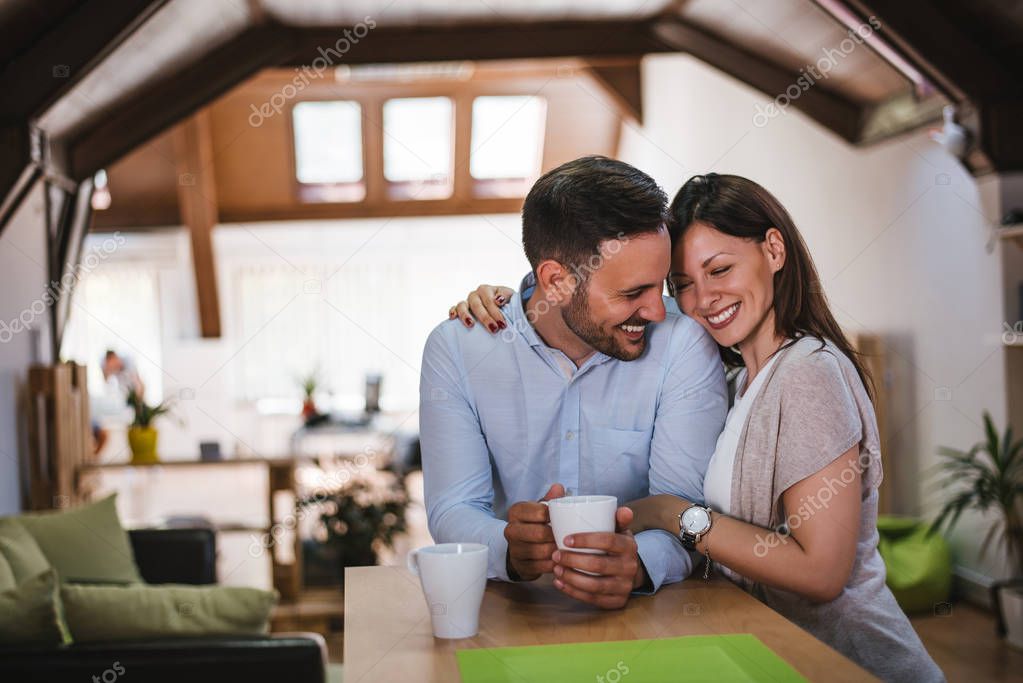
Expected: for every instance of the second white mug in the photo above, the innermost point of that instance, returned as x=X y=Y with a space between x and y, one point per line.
x=454 y=577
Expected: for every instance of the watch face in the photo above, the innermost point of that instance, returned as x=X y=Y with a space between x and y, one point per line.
x=695 y=520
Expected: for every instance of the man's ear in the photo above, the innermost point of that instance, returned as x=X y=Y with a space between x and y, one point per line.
x=557 y=282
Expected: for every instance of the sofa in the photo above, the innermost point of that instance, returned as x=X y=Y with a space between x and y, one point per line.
x=184 y=556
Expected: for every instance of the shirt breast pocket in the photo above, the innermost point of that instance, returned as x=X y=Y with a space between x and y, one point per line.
x=620 y=460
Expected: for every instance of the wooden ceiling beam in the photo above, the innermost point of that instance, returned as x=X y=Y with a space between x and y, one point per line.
x=155 y=107
x=828 y=108
x=990 y=92
x=939 y=49
x=480 y=42
x=59 y=58
x=624 y=84
x=45 y=65
x=17 y=172
x=197 y=196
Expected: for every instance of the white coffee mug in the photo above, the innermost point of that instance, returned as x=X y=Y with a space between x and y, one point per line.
x=454 y=576
x=581 y=514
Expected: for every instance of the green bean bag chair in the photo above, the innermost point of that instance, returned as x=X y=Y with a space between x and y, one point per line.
x=919 y=565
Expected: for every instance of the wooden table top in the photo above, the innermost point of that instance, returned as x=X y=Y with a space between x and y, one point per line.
x=388 y=635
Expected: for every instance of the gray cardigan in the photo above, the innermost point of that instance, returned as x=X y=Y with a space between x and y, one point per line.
x=812 y=408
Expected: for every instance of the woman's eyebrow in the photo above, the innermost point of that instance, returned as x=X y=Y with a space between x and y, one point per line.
x=720 y=253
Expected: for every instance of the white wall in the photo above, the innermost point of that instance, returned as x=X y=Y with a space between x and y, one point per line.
x=23 y=264
x=899 y=233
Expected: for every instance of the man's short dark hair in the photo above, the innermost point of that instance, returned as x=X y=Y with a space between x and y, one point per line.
x=573 y=208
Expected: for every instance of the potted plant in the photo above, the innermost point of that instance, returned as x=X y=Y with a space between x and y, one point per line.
x=989 y=477
x=309 y=383
x=354 y=522
x=142 y=434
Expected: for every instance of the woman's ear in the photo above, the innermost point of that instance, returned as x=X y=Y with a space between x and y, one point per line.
x=774 y=247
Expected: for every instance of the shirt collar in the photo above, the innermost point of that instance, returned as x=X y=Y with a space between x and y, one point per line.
x=516 y=314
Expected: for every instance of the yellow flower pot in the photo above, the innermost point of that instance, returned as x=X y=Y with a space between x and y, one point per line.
x=143 y=445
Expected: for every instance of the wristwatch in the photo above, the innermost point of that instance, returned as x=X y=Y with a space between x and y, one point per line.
x=693 y=523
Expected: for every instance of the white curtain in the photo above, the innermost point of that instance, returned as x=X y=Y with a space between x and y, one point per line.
x=116 y=306
x=295 y=320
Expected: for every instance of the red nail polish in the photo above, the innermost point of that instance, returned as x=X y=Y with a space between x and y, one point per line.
x=492 y=327
x=499 y=300
x=501 y=325
x=468 y=322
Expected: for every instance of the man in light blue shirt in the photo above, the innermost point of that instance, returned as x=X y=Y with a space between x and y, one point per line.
x=598 y=384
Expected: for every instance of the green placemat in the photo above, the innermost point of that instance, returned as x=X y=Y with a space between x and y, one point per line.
x=735 y=657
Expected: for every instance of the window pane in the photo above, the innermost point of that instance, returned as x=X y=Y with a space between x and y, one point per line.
x=417 y=140
x=507 y=136
x=328 y=142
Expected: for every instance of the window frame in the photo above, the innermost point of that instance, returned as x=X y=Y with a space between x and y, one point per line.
x=384 y=198
x=510 y=186
x=351 y=192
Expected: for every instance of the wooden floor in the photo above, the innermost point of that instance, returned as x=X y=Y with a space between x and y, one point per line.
x=965 y=646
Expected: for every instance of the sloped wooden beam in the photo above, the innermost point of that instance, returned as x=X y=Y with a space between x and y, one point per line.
x=65 y=252
x=624 y=84
x=197 y=195
x=55 y=61
x=59 y=58
x=940 y=49
x=156 y=106
x=826 y=107
x=17 y=172
x=961 y=68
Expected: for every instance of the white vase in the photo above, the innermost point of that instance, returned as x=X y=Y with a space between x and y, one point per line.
x=1012 y=612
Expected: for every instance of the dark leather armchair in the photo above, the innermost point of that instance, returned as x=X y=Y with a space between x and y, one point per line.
x=174 y=556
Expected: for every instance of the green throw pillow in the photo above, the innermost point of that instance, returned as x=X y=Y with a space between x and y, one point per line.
x=103 y=613
x=85 y=545
x=7 y=580
x=30 y=613
x=20 y=551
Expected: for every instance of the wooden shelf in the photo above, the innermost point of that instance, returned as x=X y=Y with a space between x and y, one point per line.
x=1012 y=232
x=228 y=462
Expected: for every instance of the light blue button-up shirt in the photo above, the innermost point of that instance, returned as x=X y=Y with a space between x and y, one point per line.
x=501 y=420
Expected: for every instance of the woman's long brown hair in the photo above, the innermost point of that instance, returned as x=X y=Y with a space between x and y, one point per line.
x=741 y=208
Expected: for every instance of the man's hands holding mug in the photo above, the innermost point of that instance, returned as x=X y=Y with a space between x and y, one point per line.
x=530 y=538
x=532 y=551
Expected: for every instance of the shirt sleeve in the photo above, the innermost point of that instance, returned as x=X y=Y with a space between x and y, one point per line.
x=664 y=559
x=690 y=416
x=457 y=476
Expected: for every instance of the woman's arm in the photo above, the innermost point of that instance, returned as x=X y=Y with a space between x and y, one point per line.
x=484 y=304
x=813 y=560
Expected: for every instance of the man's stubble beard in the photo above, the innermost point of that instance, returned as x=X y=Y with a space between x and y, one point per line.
x=578 y=319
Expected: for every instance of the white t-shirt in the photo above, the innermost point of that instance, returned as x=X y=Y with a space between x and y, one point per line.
x=717 y=483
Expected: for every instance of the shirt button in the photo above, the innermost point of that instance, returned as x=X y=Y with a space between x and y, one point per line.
x=570 y=435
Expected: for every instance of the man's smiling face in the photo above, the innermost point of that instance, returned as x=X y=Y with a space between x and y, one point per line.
x=610 y=311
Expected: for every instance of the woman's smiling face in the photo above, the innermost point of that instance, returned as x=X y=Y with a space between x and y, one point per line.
x=726 y=283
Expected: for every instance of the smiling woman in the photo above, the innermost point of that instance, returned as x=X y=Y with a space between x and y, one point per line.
x=727 y=222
